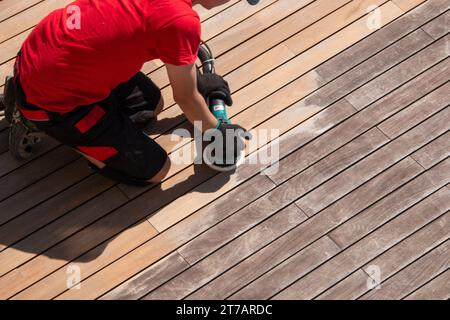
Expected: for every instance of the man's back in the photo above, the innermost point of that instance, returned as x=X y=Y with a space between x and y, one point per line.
x=78 y=54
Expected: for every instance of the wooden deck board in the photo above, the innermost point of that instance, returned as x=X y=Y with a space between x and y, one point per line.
x=363 y=116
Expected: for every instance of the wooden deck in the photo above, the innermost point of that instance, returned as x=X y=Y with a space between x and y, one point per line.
x=361 y=197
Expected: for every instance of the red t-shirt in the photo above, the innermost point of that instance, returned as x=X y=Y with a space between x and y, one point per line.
x=67 y=62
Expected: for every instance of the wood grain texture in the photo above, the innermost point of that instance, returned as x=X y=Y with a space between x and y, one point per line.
x=417 y=112
x=398 y=201
x=288 y=271
x=436 y=289
x=149 y=279
x=407 y=5
x=9 y=163
x=235 y=251
x=368 y=168
x=415 y=275
x=418 y=244
x=348 y=289
x=43 y=189
x=155 y=249
x=439 y=26
x=51 y=234
x=9 y=8
x=400 y=74
x=433 y=152
x=38 y=267
x=363 y=251
x=204 y=235
x=309 y=231
x=385 y=37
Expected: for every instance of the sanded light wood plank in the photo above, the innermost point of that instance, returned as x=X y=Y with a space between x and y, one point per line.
x=235 y=251
x=10 y=47
x=277 y=33
x=417 y=112
x=382 y=39
x=29 y=18
x=58 y=230
x=367 y=248
x=137 y=233
x=401 y=73
x=308 y=232
x=350 y=288
x=415 y=275
x=296 y=266
x=407 y=5
x=439 y=26
x=149 y=279
x=9 y=8
x=433 y=152
x=307 y=38
x=137 y=207
x=43 y=189
x=436 y=289
x=261 y=64
x=374 y=164
x=391 y=206
x=231 y=16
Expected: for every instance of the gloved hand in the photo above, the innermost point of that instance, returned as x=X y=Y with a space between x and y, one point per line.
x=227 y=149
x=209 y=83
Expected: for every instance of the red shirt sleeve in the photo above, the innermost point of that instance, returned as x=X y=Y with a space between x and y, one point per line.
x=177 y=43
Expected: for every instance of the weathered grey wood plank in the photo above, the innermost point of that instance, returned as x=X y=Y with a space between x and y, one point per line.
x=438 y=26
x=369 y=167
x=309 y=231
x=382 y=38
x=415 y=275
x=401 y=73
x=395 y=203
x=438 y=288
x=366 y=249
x=233 y=252
x=418 y=244
x=281 y=196
x=417 y=112
x=293 y=268
x=433 y=152
x=43 y=189
x=350 y=288
x=149 y=279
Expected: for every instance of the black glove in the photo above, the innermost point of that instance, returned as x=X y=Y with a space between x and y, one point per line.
x=233 y=137
x=211 y=85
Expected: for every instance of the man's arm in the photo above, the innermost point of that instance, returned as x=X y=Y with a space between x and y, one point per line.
x=184 y=84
